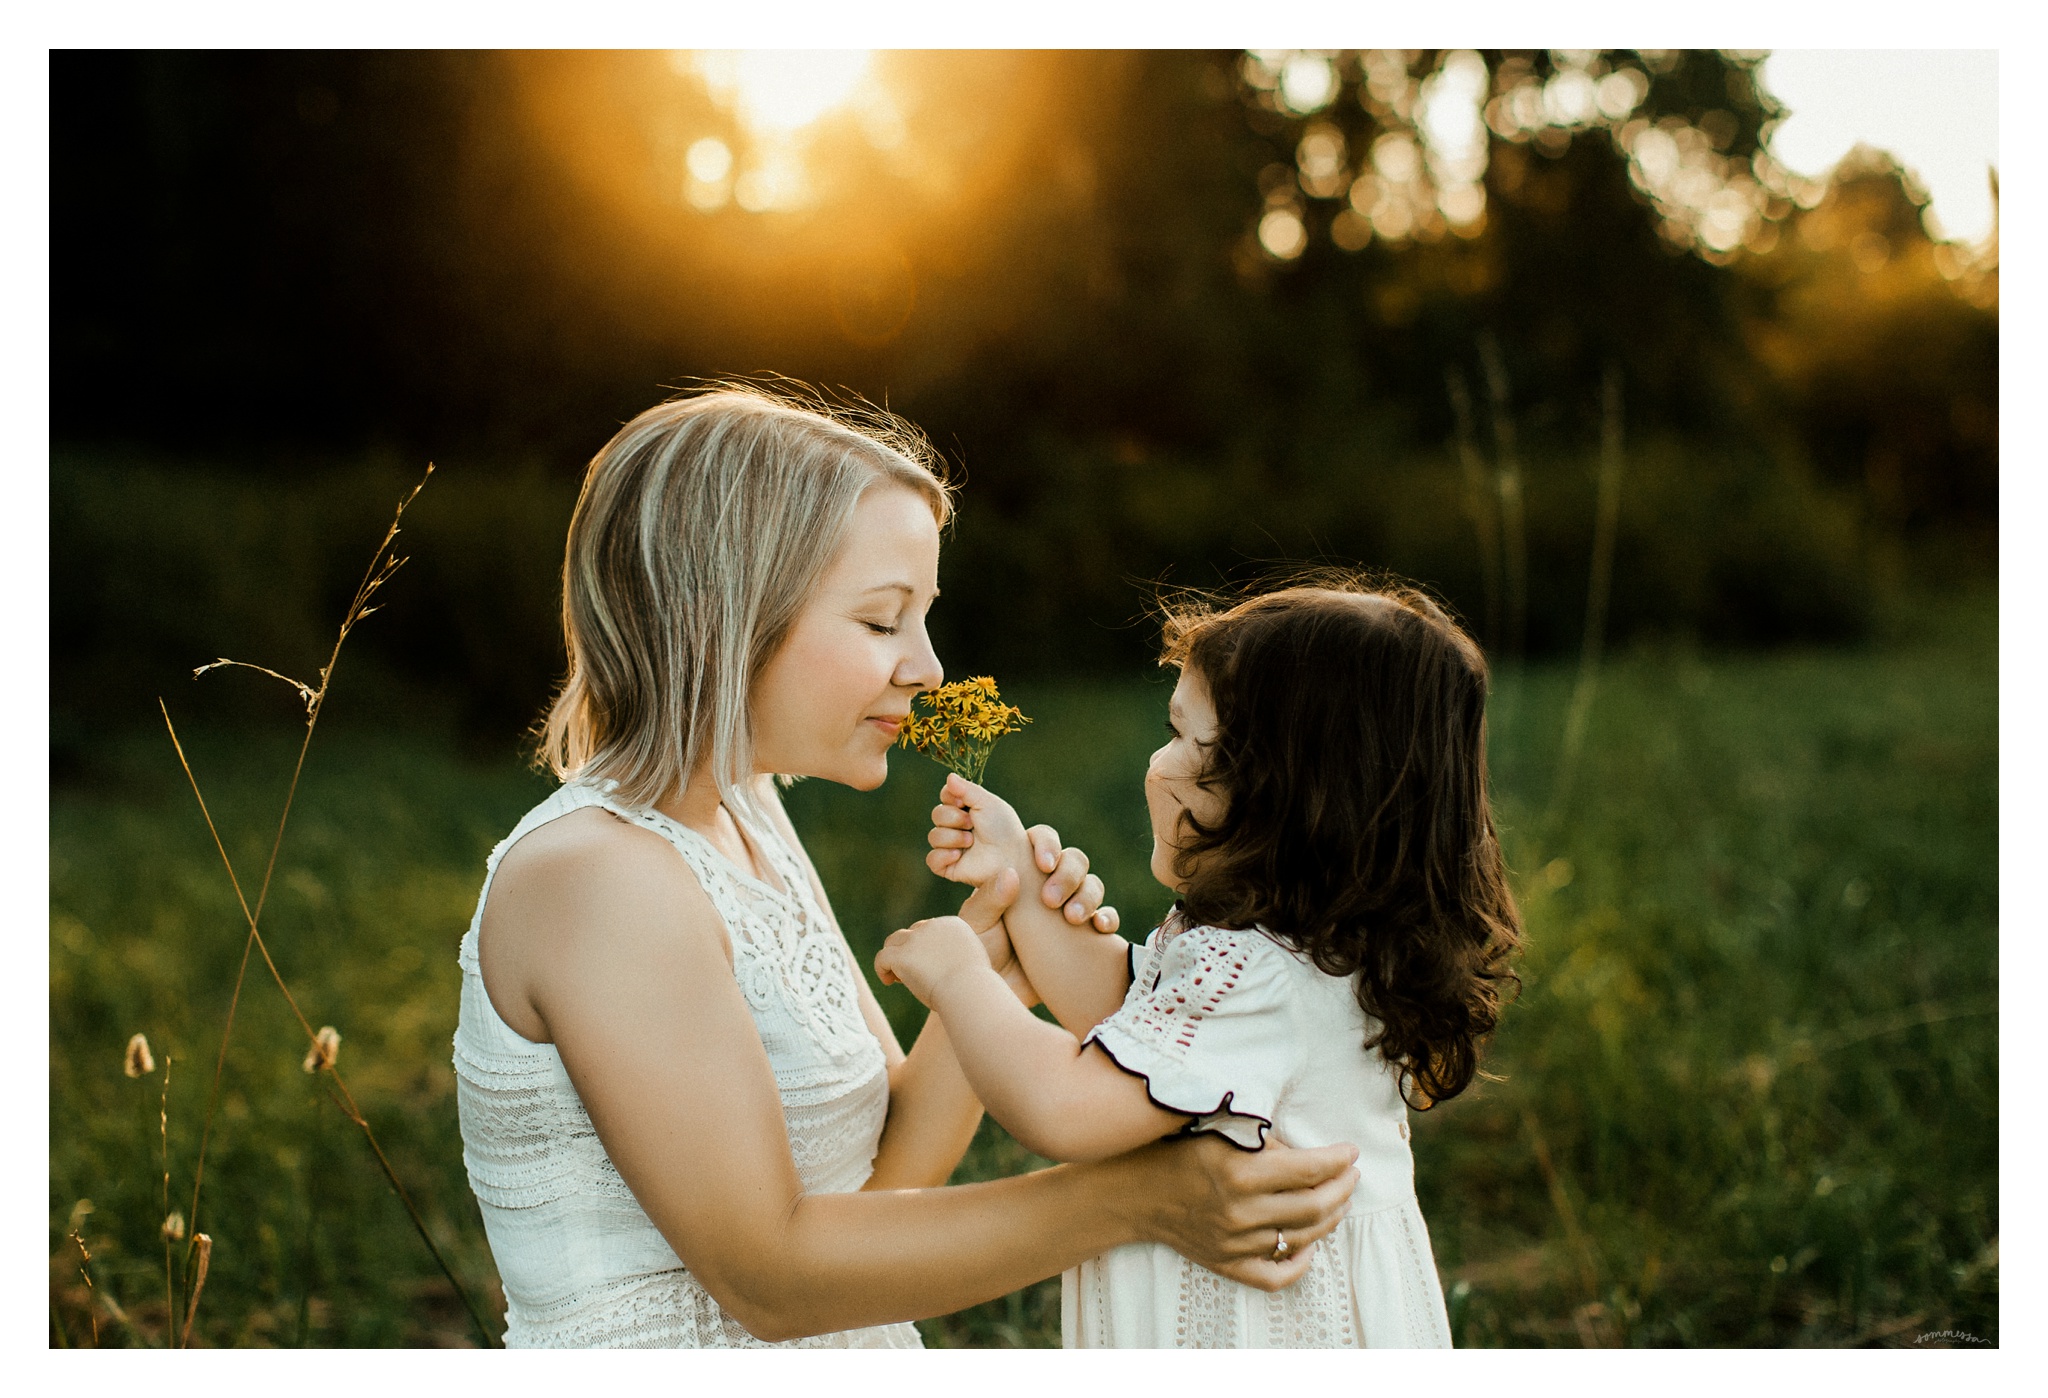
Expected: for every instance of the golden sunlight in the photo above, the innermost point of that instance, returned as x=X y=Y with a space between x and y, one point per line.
x=779 y=91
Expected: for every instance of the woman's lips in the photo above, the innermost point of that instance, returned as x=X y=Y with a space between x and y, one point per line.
x=887 y=725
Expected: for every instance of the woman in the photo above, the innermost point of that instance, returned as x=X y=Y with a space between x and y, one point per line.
x=685 y=1118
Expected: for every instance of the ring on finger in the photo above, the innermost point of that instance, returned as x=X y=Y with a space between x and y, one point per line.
x=1280 y=1245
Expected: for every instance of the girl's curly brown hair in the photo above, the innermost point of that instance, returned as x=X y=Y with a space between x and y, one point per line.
x=1350 y=753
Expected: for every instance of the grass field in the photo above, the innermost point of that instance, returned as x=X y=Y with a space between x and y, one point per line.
x=1748 y=1096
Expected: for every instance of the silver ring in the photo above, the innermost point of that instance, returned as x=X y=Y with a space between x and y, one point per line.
x=1280 y=1248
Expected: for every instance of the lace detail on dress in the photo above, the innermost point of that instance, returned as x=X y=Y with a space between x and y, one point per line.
x=1206 y=1317
x=581 y=1262
x=1423 y=1304
x=1173 y=1015
x=1314 y=1313
x=670 y=1311
x=783 y=948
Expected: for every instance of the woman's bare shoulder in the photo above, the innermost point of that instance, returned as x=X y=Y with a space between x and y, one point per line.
x=588 y=840
x=590 y=869
x=577 y=904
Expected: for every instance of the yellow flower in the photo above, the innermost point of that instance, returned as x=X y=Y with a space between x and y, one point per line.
x=960 y=724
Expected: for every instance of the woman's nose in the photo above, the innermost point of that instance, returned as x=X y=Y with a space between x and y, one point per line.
x=921 y=668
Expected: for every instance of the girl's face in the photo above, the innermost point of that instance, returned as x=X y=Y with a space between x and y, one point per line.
x=830 y=701
x=1170 y=779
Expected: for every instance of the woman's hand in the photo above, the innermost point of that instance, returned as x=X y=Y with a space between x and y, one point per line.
x=1068 y=885
x=1002 y=953
x=1224 y=1207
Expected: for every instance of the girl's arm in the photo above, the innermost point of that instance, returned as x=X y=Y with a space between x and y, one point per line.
x=975 y=836
x=933 y=1113
x=601 y=943
x=1048 y=1091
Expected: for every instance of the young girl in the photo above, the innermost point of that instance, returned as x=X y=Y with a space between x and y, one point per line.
x=1336 y=955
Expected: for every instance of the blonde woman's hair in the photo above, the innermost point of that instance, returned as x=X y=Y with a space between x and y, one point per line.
x=701 y=531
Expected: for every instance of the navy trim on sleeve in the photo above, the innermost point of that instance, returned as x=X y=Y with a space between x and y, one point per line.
x=1195 y=1120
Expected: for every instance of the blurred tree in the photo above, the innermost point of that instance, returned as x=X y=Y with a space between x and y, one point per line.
x=1177 y=314
x=1881 y=347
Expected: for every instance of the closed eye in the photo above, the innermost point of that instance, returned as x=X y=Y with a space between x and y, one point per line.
x=879 y=629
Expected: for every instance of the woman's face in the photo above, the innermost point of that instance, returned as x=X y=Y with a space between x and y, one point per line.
x=1170 y=779
x=829 y=702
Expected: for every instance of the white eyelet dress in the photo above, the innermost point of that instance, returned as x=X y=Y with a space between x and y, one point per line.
x=1248 y=1037
x=582 y=1264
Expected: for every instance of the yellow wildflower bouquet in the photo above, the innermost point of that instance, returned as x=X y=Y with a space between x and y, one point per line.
x=959 y=725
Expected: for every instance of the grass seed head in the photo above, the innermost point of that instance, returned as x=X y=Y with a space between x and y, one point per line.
x=326 y=1044
x=140 y=1063
x=174 y=1225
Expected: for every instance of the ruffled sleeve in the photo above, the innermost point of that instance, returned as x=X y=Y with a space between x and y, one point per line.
x=1207 y=1025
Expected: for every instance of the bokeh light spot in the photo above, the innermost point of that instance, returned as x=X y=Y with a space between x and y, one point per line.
x=1569 y=98
x=1393 y=219
x=1463 y=204
x=1321 y=158
x=1282 y=234
x=1350 y=230
x=1308 y=82
x=1621 y=92
x=1395 y=157
x=709 y=160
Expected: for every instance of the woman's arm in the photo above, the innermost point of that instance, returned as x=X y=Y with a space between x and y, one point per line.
x=616 y=950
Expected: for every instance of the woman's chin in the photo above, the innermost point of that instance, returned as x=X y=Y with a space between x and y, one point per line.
x=865 y=775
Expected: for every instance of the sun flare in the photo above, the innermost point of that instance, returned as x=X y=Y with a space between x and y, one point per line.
x=779 y=91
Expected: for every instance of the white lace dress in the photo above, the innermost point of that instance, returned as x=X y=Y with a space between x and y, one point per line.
x=1249 y=1037
x=582 y=1265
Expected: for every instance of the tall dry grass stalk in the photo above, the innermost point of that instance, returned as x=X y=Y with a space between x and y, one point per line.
x=1481 y=501
x=1561 y=1201
x=91 y=1291
x=1508 y=483
x=1606 y=523
x=322 y=1043
x=202 y=1247
x=174 y=1224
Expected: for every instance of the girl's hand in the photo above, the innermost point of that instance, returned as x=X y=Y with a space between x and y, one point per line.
x=983 y=832
x=970 y=819
x=925 y=955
